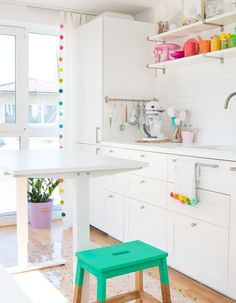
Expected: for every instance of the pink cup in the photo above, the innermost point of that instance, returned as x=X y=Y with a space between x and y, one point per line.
x=187 y=137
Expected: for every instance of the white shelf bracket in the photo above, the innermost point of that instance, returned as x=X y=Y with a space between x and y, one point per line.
x=215 y=24
x=214 y=57
x=160 y=68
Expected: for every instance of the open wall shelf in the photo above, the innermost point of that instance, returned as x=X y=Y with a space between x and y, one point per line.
x=202 y=58
x=201 y=26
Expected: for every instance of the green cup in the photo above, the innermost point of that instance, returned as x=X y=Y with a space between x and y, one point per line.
x=232 y=41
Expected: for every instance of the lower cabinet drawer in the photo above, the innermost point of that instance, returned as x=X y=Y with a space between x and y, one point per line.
x=212 y=207
x=145 y=222
x=147 y=190
x=115 y=183
x=114 y=214
x=199 y=250
x=213 y=175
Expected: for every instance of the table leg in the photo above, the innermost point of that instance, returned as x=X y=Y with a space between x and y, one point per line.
x=81 y=236
x=22 y=220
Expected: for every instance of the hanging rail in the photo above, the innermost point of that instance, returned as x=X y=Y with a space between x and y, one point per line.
x=107 y=99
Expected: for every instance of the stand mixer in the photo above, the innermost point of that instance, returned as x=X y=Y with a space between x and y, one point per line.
x=153 y=122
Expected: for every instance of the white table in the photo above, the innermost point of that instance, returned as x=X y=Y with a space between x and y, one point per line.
x=72 y=164
x=10 y=291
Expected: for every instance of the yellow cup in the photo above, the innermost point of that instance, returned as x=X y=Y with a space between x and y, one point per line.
x=215 y=44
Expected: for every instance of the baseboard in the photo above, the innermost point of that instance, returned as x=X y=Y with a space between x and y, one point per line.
x=10 y=218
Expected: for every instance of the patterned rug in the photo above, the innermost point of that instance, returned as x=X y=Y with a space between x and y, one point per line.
x=61 y=277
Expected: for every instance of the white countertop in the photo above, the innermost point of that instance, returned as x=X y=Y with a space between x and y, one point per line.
x=193 y=150
x=35 y=162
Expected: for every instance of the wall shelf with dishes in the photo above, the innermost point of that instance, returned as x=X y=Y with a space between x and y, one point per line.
x=182 y=32
x=201 y=58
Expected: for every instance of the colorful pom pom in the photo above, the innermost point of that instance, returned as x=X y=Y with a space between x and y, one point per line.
x=63 y=215
x=62 y=202
x=60 y=59
x=61 y=191
x=61 y=25
x=61 y=126
x=61 y=37
x=60 y=90
x=60 y=103
x=60 y=80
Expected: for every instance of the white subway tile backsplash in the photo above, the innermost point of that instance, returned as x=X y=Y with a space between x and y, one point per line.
x=201 y=89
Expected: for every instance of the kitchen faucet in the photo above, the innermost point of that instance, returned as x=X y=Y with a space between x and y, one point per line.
x=228 y=99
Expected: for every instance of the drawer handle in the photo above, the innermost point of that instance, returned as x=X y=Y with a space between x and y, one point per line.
x=202 y=164
x=142 y=156
x=110 y=196
x=142 y=181
x=232 y=168
x=111 y=151
x=142 y=207
x=193 y=224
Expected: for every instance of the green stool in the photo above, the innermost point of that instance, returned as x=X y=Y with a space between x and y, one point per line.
x=121 y=259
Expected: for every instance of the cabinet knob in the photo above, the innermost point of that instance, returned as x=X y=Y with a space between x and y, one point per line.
x=111 y=151
x=142 y=155
x=142 y=207
x=142 y=181
x=193 y=224
x=110 y=196
x=232 y=168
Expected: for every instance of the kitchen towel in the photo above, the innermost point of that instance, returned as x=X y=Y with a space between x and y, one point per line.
x=185 y=181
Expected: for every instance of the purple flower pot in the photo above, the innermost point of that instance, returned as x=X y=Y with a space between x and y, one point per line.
x=40 y=214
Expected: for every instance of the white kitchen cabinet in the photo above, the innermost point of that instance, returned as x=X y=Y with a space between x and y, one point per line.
x=147 y=190
x=199 y=250
x=145 y=222
x=90 y=74
x=112 y=62
x=114 y=214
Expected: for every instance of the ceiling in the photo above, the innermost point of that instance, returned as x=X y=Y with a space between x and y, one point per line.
x=96 y=6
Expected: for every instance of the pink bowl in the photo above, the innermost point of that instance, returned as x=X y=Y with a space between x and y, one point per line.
x=178 y=54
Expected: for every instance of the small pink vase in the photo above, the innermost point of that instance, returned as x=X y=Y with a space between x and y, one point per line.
x=41 y=214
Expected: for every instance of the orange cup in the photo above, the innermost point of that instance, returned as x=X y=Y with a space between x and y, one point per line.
x=204 y=46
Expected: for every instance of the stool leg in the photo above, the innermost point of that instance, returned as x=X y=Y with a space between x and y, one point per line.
x=139 y=283
x=101 y=289
x=78 y=284
x=165 y=287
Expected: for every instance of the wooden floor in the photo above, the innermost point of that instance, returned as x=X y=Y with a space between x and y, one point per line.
x=189 y=287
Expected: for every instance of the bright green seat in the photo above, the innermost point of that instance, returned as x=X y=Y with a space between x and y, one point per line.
x=117 y=260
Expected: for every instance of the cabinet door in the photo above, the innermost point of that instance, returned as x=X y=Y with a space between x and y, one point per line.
x=146 y=223
x=114 y=214
x=199 y=250
x=96 y=204
x=126 y=53
x=90 y=73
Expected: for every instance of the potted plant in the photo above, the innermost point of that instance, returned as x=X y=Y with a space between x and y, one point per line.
x=40 y=201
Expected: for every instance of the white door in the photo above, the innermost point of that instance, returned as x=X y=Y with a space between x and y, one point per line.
x=199 y=250
x=145 y=222
x=90 y=71
x=114 y=214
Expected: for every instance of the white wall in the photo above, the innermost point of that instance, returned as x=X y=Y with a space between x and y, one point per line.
x=200 y=88
x=18 y=15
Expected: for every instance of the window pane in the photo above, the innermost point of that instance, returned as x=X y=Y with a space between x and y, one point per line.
x=7 y=79
x=43 y=79
x=7 y=184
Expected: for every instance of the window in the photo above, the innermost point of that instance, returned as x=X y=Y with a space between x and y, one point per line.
x=43 y=79
x=28 y=97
